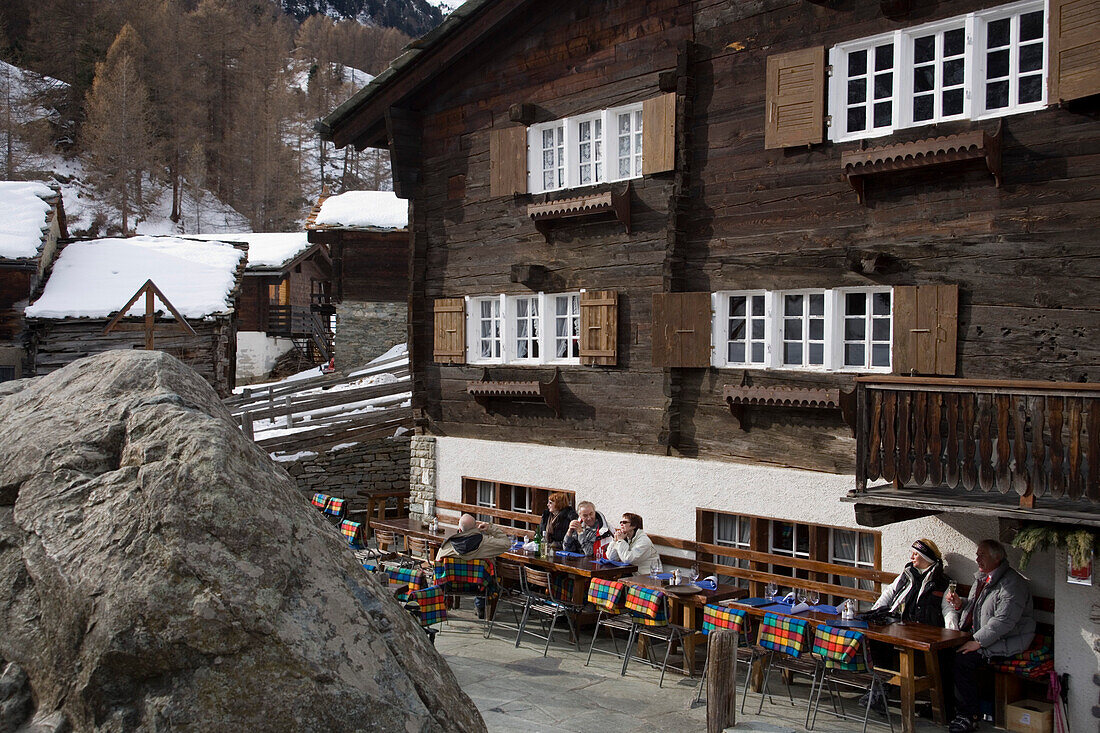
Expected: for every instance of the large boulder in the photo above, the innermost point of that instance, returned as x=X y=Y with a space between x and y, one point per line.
x=159 y=572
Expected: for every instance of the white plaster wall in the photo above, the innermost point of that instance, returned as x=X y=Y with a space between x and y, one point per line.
x=257 y=353
x=666 y=492
x=1074 y=637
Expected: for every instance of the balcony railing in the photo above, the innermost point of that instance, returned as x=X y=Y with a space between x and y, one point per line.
x=1036 y=440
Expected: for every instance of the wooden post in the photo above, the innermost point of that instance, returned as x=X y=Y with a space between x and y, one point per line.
x=289 y=412
x=246 y=425
x=149 y=306
x=722 y=680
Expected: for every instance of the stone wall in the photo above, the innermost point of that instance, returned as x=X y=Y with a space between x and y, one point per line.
x=353 y=471
x=421 y=475
x=366 y=329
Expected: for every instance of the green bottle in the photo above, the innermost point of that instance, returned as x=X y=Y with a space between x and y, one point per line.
x=538 y=540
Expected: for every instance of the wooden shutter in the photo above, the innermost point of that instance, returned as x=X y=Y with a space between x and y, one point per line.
x=599 y=327
x=1074 y=36
x=926 y=324
x=795 y=102
x=508 y=161
x=681 y=329
x=450 y=331
x=659 y=134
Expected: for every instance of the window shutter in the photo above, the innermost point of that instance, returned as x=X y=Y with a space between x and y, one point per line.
x=599 y=327
x=1074 y=36
x=795 y=103
x=508 y=161
x=926 y=324
x=681 y=329
x=659 y=134
x=450 y=331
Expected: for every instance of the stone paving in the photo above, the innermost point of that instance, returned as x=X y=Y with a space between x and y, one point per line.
x=520 y=690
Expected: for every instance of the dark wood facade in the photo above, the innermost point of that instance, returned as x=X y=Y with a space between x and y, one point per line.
x=733 y=215
x=302 y=283
x=367 y=266
x=212 y=351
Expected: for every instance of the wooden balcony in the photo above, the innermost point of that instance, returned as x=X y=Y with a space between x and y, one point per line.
x=1029 y=450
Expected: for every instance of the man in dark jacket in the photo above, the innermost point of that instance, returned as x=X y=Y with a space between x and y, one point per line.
x=475 y=541
x=999 y=614
x=586 y=530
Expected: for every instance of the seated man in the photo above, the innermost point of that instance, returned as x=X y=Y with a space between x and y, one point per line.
x=999 y=615
x=475 y=541
x=588 y=530
x=631 y=545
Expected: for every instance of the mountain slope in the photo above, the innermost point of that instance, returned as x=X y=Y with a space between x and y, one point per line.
x=415 y=17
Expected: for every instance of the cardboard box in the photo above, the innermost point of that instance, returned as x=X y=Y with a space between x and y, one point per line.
x=1029 y=716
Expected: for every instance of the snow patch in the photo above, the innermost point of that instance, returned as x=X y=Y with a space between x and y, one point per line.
x=266 y=249
x=378 y=209
x=23 y=217
x=94 y=279
x=288 y=457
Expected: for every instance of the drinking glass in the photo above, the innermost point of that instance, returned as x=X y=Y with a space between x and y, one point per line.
x=801 y=594
x=813 y=596
x=771 y=591
x=655 y=568
x=693 y=572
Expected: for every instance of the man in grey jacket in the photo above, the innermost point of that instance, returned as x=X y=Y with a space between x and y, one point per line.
x=998 y=614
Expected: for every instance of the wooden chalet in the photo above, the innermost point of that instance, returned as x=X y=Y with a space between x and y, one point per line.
x=367 y=233
x=286 y=302
x=32 y=221
x=802 y=280
x=85 y=306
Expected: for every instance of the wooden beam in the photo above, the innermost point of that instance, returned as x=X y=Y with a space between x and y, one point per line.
x=870 y=515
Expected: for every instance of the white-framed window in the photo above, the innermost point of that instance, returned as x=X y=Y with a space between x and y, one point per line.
x=525 y=321
x=574 y=151
x=839 y=329
x=567 y=327
x=983 y=64
x=540 y=328
x=868 y=328
x=486 y=330
x=744 y=327
x=802 y=331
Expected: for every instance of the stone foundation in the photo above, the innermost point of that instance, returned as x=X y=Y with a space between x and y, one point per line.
x=421 y=475
x=366 y=330
x=353 y=472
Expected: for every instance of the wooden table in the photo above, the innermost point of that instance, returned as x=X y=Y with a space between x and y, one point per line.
x=909 y=639
x=407 y=526
x=687 y=606
x=582 y=568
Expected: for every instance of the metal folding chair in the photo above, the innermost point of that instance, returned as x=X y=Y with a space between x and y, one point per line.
x=467 y=578
x=846 y=661
x=511 y=594
x=648 y=608
x=537 y=589
x=607 y=596
x=722 y=617
x=784 y=639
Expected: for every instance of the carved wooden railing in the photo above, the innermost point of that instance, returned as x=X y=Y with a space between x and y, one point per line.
x=1036 y=439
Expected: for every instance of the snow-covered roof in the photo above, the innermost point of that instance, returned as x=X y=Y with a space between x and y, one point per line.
x=363 y=209
x=24 y=217
x=267 y=249
x=94 y=279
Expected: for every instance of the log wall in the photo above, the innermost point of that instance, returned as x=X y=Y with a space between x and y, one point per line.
x=212 y=353
x=737 y=216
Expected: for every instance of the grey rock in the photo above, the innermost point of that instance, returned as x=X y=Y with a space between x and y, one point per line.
x=16 y=700
x=159 y=572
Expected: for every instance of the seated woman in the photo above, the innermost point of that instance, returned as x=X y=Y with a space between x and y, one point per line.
x=556 y=519
x=632 y=545
x=917 y=593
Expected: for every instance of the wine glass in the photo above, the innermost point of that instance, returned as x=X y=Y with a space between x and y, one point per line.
x=771 y=591
x=813 y=596
x=655 y=568
x=801 y=595
x=693 y=572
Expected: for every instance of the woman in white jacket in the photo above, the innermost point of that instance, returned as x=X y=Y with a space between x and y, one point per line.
x=632 y=545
